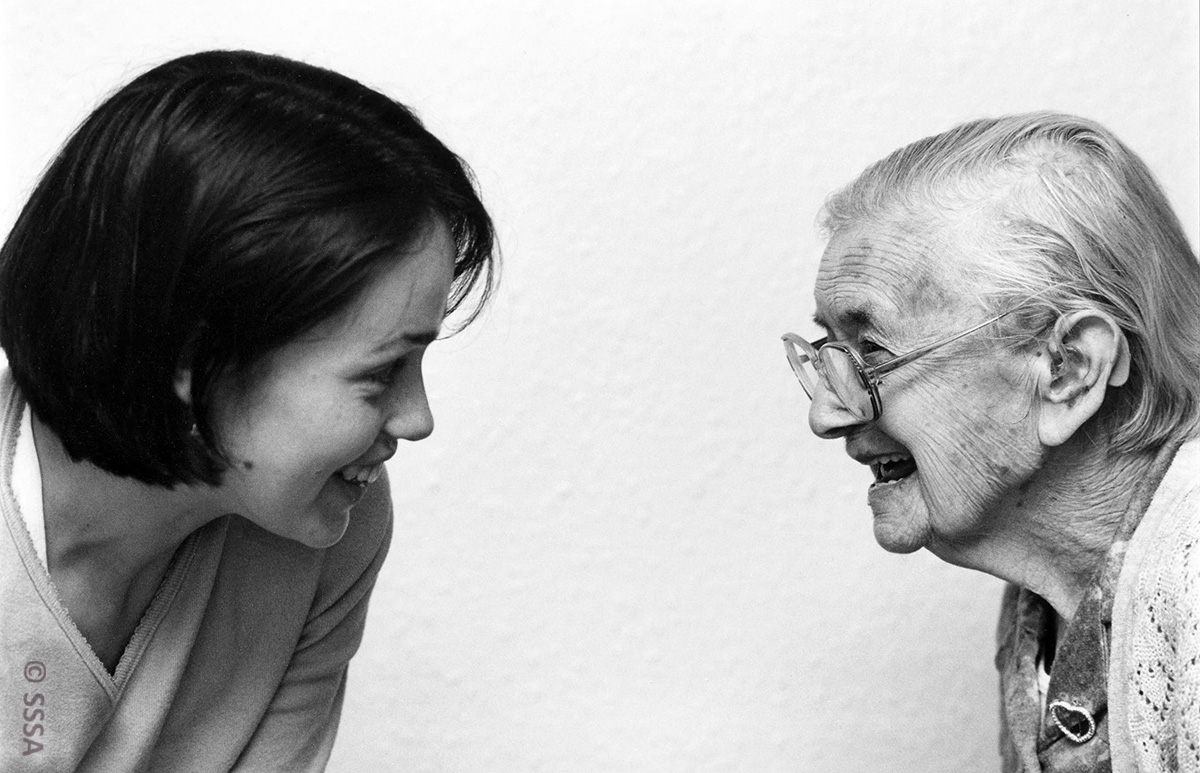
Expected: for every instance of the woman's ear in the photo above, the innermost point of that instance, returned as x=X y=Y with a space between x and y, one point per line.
x=182 y=383
x=1086 y=354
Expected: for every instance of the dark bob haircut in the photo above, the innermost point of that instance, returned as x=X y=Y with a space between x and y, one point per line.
x=214 y=209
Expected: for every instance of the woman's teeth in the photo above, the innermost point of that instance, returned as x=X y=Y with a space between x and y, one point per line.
x=360 y=474
x=892 y=468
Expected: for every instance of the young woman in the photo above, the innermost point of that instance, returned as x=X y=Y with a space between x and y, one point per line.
x=214 y=307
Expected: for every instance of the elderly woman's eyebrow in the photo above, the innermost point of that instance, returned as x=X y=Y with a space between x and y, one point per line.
x=852 y=319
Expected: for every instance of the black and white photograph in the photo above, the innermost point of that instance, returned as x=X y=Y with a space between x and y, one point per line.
x=630 y=387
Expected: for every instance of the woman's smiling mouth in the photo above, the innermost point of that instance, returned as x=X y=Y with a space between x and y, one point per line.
x=361 y=475
x=892 y=468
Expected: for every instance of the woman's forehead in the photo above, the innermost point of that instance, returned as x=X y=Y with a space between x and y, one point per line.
x=887 y=270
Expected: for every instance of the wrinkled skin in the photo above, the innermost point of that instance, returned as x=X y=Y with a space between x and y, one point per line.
x=965 y=413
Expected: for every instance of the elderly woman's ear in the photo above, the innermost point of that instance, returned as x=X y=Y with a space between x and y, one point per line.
x=1086 y=354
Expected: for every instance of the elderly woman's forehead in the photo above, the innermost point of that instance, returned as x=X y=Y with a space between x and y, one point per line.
x=908 y=265
x=889 y=276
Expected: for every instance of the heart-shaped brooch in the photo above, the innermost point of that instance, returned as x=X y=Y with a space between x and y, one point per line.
x=1073 y=712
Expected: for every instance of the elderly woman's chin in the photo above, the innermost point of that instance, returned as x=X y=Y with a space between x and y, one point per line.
x=901 y=518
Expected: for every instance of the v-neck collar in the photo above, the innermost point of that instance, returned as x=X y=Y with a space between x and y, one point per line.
x=113 y=684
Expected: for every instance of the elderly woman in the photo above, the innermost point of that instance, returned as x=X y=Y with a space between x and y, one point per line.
x=1012 y=345
x=214 y=307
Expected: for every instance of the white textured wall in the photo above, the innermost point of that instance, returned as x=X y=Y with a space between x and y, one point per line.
x=621 y=550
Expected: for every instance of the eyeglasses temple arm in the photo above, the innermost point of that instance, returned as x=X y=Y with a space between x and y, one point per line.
x=884 y=368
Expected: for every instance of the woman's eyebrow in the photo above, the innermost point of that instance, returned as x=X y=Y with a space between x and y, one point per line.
x=853 y=319
x=423 y=338
x=411 y=338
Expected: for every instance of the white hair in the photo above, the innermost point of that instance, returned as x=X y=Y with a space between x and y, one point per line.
x=1062 y=209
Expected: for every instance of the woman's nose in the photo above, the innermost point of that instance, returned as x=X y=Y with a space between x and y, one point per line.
x=828 y=416
x=411 y=417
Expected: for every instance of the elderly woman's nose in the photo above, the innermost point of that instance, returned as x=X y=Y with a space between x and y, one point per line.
x=828 y=416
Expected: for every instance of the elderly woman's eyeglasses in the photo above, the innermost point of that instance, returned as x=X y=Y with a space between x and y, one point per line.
x=843 y=369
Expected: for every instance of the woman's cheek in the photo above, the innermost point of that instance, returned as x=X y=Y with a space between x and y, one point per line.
x=976 y=470
x=350 y=437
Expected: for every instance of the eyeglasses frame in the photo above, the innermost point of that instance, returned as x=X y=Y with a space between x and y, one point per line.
x=871 y=376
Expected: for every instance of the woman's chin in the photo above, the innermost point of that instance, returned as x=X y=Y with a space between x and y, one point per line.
x=326 y=530
x=898 y=541
x=900 y=519
x=327 y=520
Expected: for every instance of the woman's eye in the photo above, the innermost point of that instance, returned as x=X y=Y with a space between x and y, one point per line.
x=871 y=350
x=385 y=375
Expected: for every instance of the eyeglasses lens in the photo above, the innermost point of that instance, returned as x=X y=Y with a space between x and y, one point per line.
x=845 y=380
x=801 y=360
x=840 y=372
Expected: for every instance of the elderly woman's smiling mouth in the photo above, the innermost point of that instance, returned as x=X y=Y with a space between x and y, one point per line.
x=889 y=464
x=891 y=468
x=894 y=472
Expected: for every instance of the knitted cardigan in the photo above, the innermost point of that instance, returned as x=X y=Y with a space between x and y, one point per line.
x=1154 y=668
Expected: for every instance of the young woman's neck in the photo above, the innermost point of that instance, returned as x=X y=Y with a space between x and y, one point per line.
x=95 y=517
